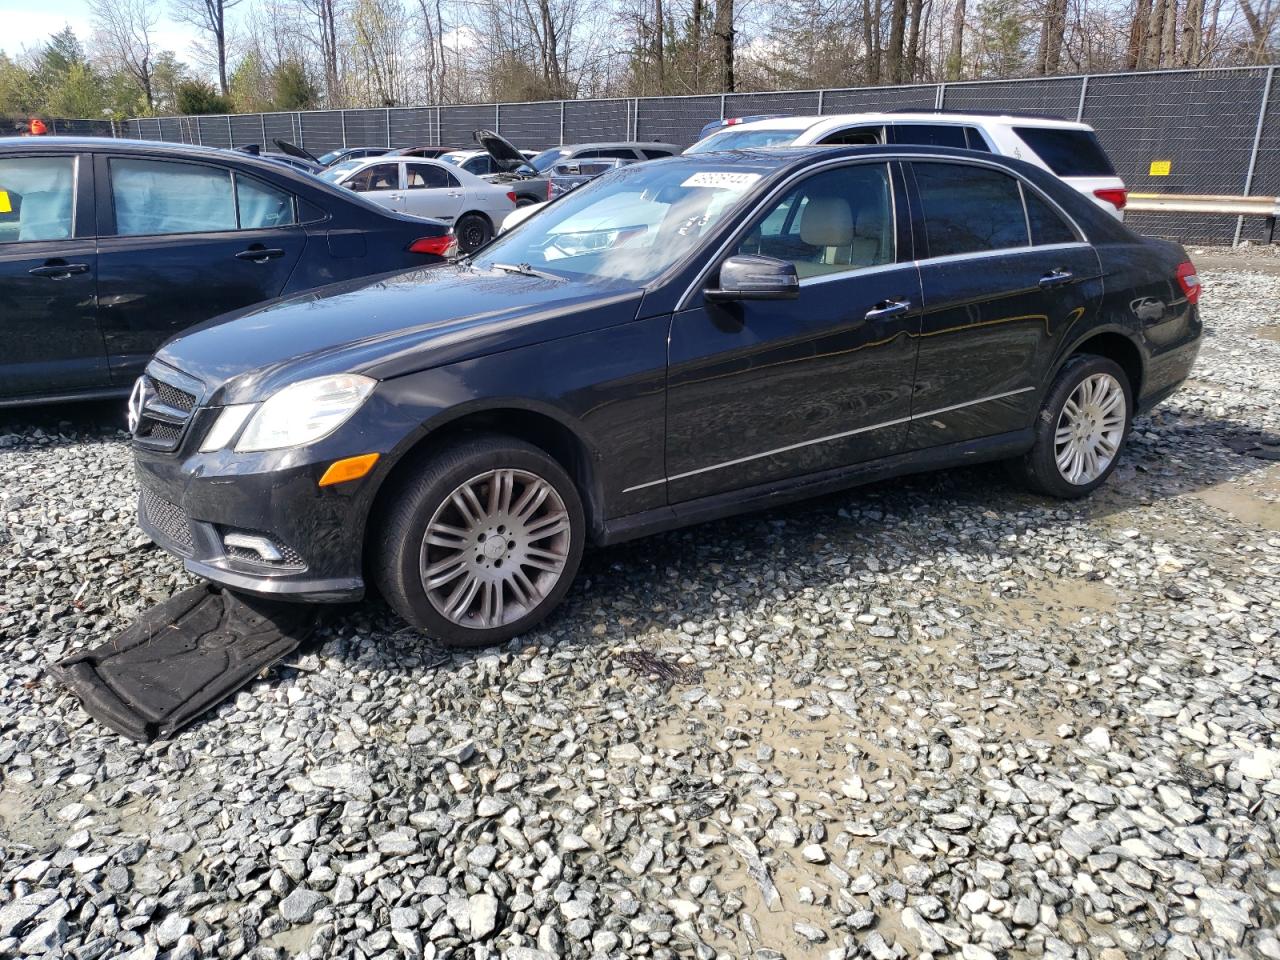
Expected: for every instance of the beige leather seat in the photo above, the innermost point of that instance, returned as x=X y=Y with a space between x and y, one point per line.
x=829 y=224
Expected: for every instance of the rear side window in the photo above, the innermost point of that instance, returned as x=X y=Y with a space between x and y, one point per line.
x=1068 y=153
x=1046 y=225
x=261 y=206
x=421 y=176
x=975 y=140
x=650 y=154
x=969 y=209
x=929 y=134
x=154 y=197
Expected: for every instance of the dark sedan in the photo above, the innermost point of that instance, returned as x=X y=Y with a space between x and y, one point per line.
x=109 y=247
x=672 y=342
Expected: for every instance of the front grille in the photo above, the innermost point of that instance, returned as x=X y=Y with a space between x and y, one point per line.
x=168 y=518
x=170 y=400
x=289 y=557
x=171 y=396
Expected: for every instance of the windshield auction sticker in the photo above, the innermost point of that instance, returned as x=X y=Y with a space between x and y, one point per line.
x=721 y=180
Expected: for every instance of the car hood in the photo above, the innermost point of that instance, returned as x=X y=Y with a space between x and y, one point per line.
x=387 y=326
x=506 y=156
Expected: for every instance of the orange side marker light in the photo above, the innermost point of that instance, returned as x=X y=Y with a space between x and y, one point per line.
x=351 y=468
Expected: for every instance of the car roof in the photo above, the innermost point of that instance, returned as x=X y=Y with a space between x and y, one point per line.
x=906 y=116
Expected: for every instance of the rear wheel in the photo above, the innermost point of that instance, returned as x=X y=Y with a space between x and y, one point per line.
x=483 y=543
x=473 y=231
x=1080 y=429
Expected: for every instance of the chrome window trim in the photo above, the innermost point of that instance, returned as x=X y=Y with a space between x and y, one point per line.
x=999 y=252
x=712 y=261
x=827 y=439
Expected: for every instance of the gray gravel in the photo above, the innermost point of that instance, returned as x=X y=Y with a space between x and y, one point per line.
x=931 y=717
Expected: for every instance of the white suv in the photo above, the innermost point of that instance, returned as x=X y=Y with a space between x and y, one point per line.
x=1068 y=149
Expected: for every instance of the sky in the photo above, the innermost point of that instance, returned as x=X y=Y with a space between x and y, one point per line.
x=29 y=23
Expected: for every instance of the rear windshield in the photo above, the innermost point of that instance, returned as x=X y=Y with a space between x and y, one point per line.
x=1069 y=153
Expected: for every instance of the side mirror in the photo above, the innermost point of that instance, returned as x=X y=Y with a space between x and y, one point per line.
x=753 y=277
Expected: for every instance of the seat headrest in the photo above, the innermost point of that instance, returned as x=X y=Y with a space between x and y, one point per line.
x=827 y=222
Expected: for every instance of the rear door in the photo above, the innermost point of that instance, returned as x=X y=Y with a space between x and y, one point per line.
x=49 y=337
x=432 y=191
x=180 y=242
x=1004 y=275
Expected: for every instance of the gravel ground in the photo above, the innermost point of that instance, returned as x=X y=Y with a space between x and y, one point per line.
x=935 y=716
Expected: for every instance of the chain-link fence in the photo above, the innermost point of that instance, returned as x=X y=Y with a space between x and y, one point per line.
x=1180 y=131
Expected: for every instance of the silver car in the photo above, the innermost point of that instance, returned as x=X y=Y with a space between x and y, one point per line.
x=429 y=188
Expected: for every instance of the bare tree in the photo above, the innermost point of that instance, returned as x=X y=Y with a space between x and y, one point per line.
x=324 y=15
x=124 y=37
x=726 y=36
x=209 y=16
x=955 y=53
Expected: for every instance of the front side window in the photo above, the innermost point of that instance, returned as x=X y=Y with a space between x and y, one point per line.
x=969 y=209
x=153 y=197
x=380 y=176
x=37 y=197
x=422 y=176
x=855 y=136
x=833 y=222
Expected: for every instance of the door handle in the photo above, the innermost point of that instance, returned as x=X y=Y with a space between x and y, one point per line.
x=888 y=308
x=57 y=270
x=453 y=193
x=260 y=254
x=1056 y=278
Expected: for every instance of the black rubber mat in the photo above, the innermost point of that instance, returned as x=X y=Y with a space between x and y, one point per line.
x=181 y=658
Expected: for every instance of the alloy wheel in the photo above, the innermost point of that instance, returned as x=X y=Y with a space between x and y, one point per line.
x=1090 y=429
x=495 y=548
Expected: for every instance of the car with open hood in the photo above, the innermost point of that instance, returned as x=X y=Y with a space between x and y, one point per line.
x=673 y=342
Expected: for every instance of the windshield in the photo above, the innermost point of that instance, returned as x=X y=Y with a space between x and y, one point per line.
x=627 y=226
x=331 y=156
x=334 y=173
x=740 y=139
x=547 y=157
x=453 y=158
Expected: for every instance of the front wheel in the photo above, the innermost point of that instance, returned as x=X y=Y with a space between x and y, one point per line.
x=482 y=543
x=473 y=231
x=1080 y=428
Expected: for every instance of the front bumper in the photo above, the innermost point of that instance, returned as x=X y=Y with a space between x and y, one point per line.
x=190 y=501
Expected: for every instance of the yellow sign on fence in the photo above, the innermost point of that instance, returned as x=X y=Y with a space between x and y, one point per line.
x=1160 y=168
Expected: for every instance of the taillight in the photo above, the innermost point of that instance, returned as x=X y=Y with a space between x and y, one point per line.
x=1116 y=196
x=548 y=188
x=511 y=195
x=445 y=246
x=1188 y=281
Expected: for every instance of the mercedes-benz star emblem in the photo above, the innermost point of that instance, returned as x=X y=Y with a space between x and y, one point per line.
x=137 y=403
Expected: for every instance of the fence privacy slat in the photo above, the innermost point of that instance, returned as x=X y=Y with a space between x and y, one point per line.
x=1214 y=126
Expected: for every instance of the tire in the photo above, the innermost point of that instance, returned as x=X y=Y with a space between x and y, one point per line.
x=540 y=551
x=473 y=231
x=524 y=201
x=1097 y=434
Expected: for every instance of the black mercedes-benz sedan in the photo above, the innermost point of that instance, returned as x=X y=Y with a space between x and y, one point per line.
x=673 y=342
x=109 y=247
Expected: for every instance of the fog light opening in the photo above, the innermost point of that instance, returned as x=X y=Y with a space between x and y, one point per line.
x=263 y=547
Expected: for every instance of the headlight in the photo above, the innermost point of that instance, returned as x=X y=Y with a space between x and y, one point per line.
x=224 y=428
x=304 y=412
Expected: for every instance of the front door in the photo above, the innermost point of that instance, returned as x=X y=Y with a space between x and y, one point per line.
x=766 y=390
x=186 y=242
x=432 y=191
x=1004 y=278
x=49 y=337
x=379 y=182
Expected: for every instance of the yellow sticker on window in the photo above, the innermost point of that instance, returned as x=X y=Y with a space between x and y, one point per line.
x=5 y=205
x=1160 y=168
